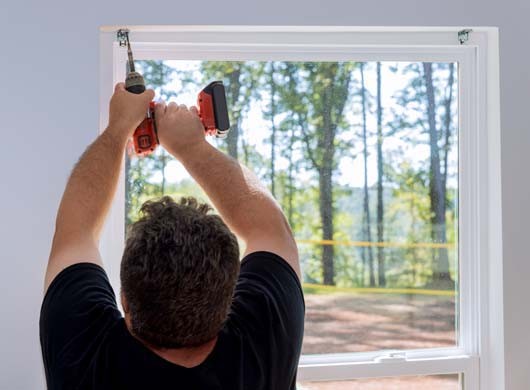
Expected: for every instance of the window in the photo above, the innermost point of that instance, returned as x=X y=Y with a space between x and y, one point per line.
x=375 y=154
x=378 y=273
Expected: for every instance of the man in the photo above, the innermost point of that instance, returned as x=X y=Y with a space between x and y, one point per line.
x=194 y=317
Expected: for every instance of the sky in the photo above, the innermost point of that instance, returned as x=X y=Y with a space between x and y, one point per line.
x=350 y=172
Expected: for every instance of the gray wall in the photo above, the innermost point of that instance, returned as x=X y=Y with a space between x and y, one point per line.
x=49 y=107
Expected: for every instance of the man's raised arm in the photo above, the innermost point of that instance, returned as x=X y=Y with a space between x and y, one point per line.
x=92 y=184
x=244 y=203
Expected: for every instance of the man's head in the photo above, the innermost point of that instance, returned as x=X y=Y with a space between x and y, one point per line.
x=178 y=273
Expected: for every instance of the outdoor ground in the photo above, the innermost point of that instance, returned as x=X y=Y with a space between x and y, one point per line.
x=439 y=382
x=359 y=322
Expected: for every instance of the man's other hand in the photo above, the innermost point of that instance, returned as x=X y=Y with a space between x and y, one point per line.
x=179 y=128
x=127 y=110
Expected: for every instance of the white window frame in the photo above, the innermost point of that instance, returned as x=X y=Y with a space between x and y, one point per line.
x=480 y=353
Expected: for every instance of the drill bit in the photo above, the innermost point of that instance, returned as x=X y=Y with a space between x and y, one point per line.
x=129 y=54
x=134 y=82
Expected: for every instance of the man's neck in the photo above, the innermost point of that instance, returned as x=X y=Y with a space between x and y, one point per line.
x=185 y=357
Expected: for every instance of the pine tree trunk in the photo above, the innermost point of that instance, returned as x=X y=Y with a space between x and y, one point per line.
x=363 y=260
x=380 y=206
x=327 y=145
x=447 y=124
x=326 y=215
x=441 y=278
x=366 y=203
x=234 y=89
x=412 y=251
x=290 y=181
x=273 y=129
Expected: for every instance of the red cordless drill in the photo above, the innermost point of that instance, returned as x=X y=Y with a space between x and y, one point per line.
x=211 y=103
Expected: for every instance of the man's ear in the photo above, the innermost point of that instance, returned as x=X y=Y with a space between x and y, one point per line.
x=124 y=302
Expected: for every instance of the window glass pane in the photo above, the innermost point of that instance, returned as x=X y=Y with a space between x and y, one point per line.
x=433 y=382
x=363 y=158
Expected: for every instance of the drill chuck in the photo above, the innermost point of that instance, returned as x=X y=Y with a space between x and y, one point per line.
x=135 y=83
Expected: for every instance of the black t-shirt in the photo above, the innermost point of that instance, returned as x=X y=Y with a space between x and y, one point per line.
x=86 y=345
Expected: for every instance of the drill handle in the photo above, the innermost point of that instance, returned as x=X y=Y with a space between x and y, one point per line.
x=145 y=137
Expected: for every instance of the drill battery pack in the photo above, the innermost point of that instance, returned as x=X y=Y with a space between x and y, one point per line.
x=213 y=110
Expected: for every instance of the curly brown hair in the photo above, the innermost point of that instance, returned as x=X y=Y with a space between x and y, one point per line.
x=178 y=273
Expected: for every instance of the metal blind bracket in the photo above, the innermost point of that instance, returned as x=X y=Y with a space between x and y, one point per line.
x=122 y=35
x=463 y=35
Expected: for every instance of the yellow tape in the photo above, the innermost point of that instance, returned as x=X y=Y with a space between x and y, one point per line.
x=380 y=290
x=448 y=245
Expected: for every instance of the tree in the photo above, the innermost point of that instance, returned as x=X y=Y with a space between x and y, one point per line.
x=273 y=125
x=367 y=228
x=429 y=112
x=380 y=206
x=448 y=123
x=441 y=277
x=290 y=178
x=324 y=90
x=234 y=90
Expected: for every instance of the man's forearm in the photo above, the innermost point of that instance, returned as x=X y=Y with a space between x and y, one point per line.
x=245 y=205
x=91 y=187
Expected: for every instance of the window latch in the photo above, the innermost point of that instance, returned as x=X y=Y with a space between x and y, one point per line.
x=391 y=357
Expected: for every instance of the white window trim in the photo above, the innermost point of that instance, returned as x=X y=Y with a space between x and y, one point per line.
x=480 y=354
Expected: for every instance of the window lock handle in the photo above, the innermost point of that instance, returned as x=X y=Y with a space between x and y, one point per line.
x=391 y=357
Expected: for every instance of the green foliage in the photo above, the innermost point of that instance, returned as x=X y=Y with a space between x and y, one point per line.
x=315 y=112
